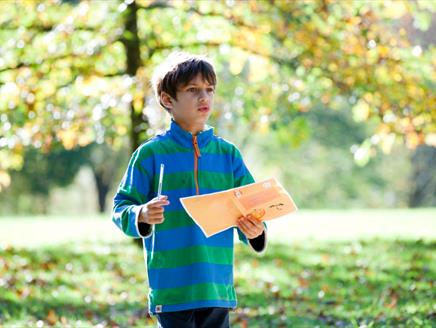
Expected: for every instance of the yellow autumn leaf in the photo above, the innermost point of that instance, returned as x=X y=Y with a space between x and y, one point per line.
x=412 y=140
x=383 y=51
x=264 y=124
x=382 y=74
x=5 y=180
x=260 y=68
x=395 y=9
x=84 y=139
x=237 y=62
x=68 y=138
x=387 y=142
x=361 y=111
x=430 y=139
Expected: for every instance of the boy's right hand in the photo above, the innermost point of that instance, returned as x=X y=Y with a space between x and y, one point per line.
x=152 y=212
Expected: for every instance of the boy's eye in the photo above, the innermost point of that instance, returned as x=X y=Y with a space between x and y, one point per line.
x=209 y=90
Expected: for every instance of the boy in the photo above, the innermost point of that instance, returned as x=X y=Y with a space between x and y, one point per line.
x=190 y=276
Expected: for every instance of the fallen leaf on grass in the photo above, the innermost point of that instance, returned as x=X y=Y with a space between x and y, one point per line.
x=24 y=292
x=89 y=315
x=303 y=282
x=393 y=303
x=51 y=318
x=64 y=320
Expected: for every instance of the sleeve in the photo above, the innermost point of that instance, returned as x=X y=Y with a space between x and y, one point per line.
x=132 y=193
x=242 y=177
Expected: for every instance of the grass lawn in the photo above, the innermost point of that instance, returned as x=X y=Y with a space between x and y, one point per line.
x=318 y=271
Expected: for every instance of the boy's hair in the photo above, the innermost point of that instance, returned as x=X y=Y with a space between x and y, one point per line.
x=178 y=70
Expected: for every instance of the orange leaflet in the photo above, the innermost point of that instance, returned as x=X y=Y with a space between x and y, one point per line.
x=216 y=212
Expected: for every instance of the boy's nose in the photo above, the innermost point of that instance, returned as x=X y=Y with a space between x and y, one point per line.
x=203 y=95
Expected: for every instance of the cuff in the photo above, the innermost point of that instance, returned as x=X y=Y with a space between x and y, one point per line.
x=144 y=230
x=258 y=244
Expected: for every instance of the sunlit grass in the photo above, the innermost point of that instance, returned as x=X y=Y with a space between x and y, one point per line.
x=297 y=284
x=81 y=272
x=325 y=225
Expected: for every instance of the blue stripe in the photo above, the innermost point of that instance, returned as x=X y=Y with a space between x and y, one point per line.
x=174 y=162
x=239 y=168
x=197 y=273
x=174 y=198
x=220 y=163
x=187 y=237
x=134 y=177
x=194 y=305
x=184 y=162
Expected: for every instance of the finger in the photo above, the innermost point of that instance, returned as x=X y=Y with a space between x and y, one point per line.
x=162 y=198
x=249 y=223
x=256 y=222
x=250 y=229
x=158 y=203
x=156 y=199
x=257 y=226
x=156 y=220
x=253 y=219
x=156 y=210
x=244 y=227
x=155 y=216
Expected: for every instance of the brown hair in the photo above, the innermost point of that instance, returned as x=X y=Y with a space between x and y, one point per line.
x=178 y=70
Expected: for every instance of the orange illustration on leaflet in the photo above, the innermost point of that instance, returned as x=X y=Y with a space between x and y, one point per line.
x=216 y=212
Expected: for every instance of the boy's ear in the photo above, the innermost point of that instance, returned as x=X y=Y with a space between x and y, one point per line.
x=166 y=100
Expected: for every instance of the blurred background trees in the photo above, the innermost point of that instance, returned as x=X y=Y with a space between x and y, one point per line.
x=334 y=98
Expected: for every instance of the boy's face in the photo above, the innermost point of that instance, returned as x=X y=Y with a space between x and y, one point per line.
x=194 y=103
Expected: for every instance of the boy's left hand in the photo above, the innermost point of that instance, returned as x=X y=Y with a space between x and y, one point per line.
x=250 y=226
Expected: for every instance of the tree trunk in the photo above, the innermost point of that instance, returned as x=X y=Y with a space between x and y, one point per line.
x=423 y=184
x=102 y=190
x=133 y=63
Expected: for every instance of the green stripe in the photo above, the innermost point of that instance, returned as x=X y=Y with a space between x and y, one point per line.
x=174 y=219
x=244 y=180
x=206 y=179
x=161 y=146
x=192 y=293
x=143 y=170
x=173 y=181
x=131 y=192
x=190 y=255
x=220 y=147
x=215 y=180
x=168 y=146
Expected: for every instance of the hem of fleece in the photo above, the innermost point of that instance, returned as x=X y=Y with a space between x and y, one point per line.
x=137 y=211
x=156 y=309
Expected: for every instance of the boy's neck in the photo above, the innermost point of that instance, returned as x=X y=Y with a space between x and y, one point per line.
x=194 y=130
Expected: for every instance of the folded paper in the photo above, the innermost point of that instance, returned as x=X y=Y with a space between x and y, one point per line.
x=216 y=212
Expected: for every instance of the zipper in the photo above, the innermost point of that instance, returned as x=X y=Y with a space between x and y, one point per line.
x=197 y=154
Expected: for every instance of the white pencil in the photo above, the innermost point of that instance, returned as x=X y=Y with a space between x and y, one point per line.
x=161 y=174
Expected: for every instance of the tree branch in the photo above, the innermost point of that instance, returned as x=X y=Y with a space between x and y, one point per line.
x=293 y=63
x=236 y=22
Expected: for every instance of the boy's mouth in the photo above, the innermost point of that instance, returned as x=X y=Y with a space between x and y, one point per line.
x=203 y=109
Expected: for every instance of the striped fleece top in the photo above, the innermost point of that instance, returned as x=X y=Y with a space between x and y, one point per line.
x=186 y=270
